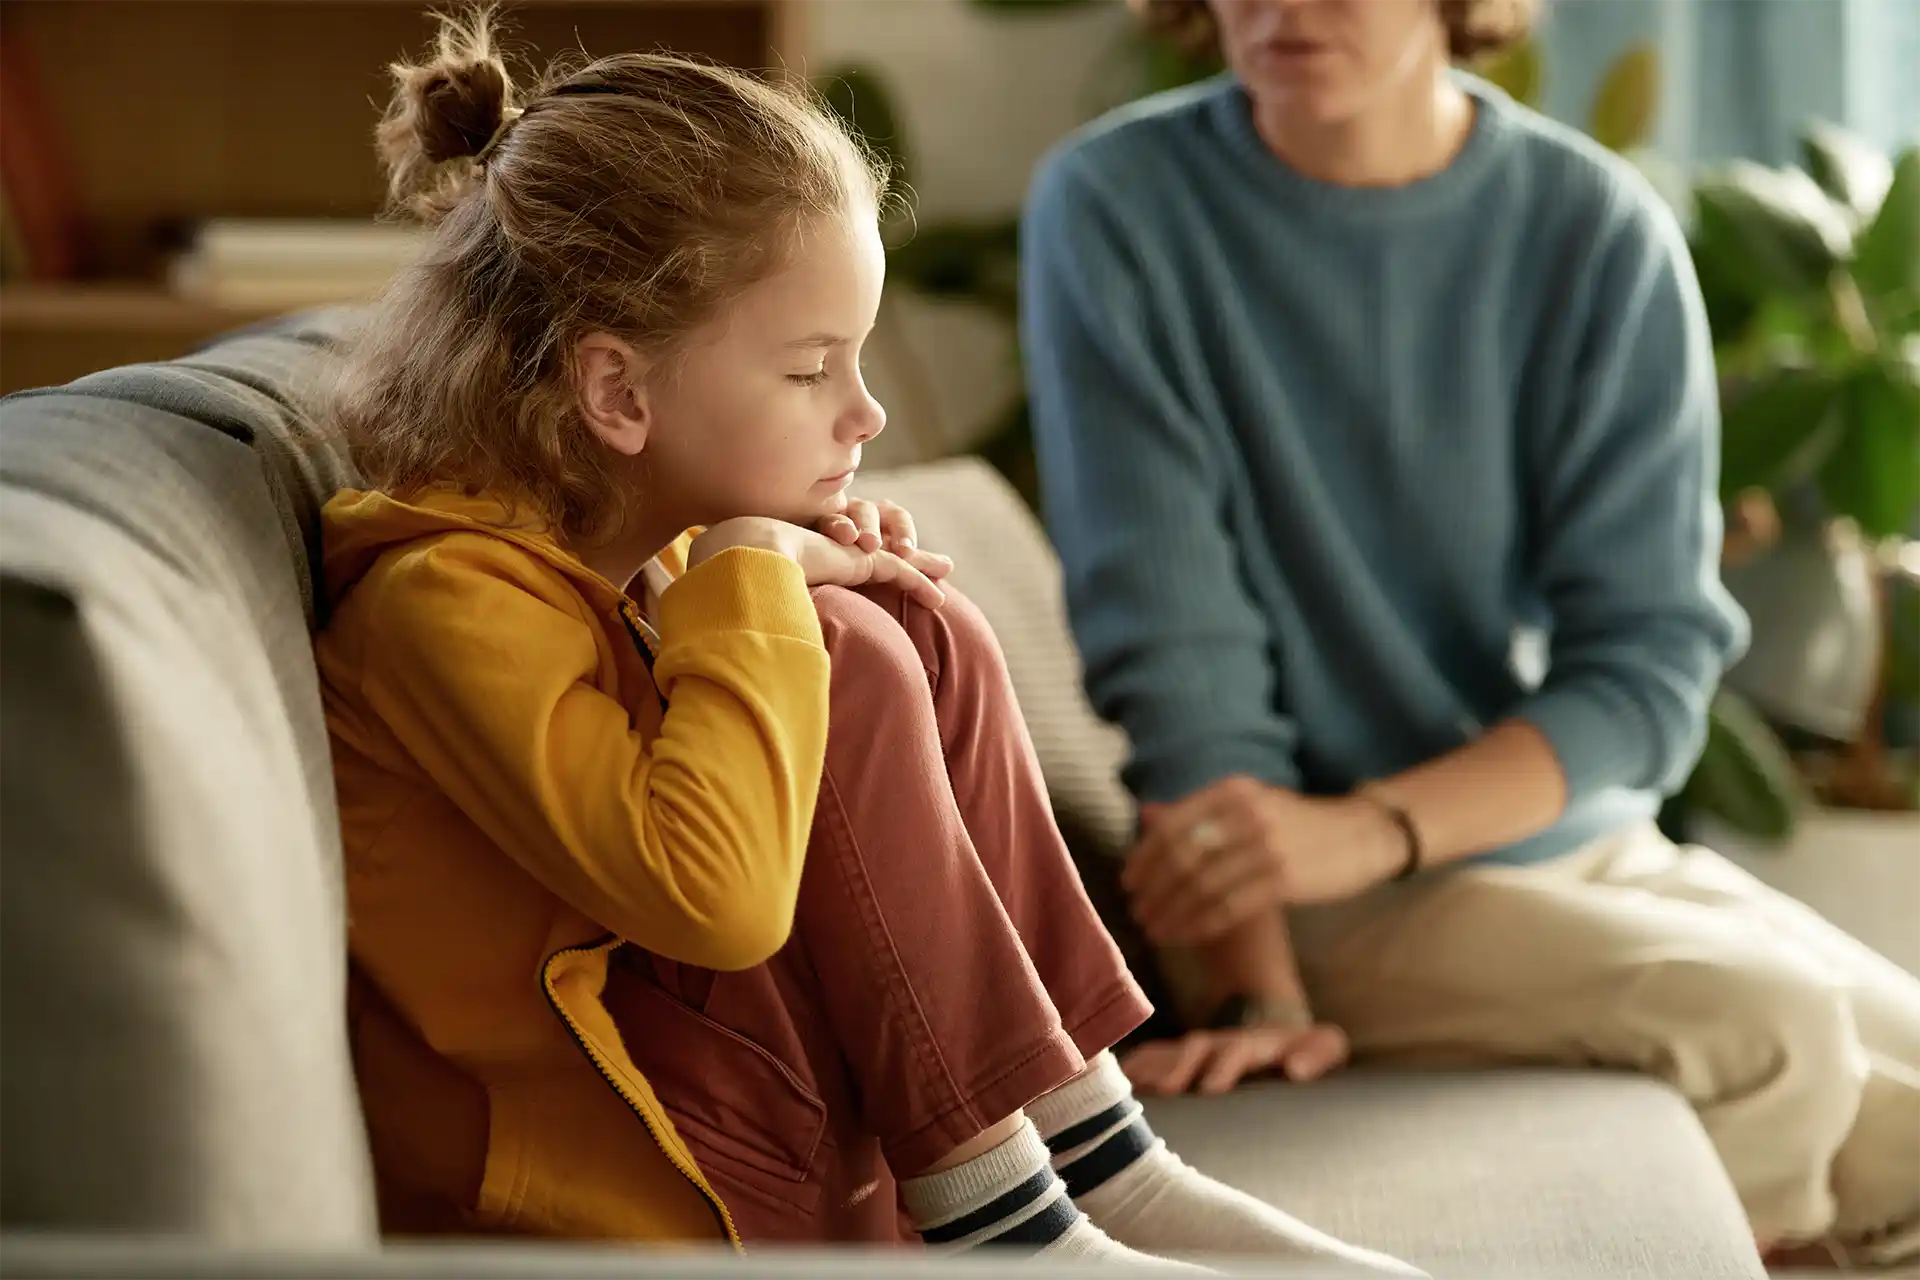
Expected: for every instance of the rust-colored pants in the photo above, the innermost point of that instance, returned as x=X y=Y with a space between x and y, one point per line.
x=945 y=967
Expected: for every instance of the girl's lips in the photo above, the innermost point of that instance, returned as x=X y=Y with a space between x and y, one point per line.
x=1291 y=50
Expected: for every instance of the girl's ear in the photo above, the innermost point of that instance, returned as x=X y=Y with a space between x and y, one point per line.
x=612 y=391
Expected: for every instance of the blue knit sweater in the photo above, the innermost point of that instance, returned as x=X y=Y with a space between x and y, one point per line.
x=1341 y=477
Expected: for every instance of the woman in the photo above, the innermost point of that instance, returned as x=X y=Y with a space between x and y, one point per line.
x=1378 y=427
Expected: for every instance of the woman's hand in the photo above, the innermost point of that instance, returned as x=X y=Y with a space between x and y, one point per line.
x=1216 y=1061
x=1238 y=847
x=826 y=561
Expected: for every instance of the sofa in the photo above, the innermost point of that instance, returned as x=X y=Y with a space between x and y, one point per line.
x=176 y=1095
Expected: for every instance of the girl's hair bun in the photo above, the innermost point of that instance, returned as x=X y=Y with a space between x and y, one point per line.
x=446 y=108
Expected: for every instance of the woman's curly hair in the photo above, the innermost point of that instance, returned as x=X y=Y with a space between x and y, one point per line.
x=1475 y=28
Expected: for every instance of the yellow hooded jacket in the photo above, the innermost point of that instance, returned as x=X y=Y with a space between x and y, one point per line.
x=516 y=801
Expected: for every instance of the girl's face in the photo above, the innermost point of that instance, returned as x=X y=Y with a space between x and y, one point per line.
x=1325 y=60
x=765 y=411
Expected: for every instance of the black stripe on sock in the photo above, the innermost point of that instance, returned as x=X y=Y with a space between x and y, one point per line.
x=1042 y=1229
x=1107 y=1159
x=1090 y=1128
x=1001 y=1208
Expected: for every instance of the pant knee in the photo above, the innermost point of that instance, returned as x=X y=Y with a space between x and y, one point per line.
x=883 y=625
x=1771 y=1024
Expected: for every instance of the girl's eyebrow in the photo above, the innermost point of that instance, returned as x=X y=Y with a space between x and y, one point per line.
x=822 y=340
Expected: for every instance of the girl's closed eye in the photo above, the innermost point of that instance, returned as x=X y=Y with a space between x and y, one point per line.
x=813 y=379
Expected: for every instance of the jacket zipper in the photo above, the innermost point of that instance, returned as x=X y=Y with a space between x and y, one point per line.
x=683 y=1167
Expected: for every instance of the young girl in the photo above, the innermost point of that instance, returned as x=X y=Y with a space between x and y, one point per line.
x=686 y=900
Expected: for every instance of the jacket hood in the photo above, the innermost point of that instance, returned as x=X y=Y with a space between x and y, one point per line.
x=362 y=525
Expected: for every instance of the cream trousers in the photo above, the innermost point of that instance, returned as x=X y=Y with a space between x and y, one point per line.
x=1798 y=1046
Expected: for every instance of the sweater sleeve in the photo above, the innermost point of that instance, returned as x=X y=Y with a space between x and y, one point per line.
x=1628 y=527
x=1135 y=490
x=690 y=844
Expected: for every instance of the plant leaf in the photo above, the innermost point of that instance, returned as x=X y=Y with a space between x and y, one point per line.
x=860 y=97
x=1744 y=776
x=1772 y=229
x=1627 y=101
x=1517 y=71
x=1903 y=638
x=1778 y=428
x=1886 y=258
x=1873 y=473
x=1846 y=168
x=974 y=262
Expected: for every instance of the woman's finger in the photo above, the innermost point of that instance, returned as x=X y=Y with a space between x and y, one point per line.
x=1196 y=1049
x=1173 y=846
x=1191 y=829
x=1266 y=890
x=1146 y=1066
x=896 y=525
x=1197 y=867
x=1169 y=906
x=1218 y=861
x=1247 y=1051
x=1318 y=1050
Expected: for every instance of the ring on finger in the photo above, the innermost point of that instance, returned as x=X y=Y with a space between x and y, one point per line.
x=1206 y=835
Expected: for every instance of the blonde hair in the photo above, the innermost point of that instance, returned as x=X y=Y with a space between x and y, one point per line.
x=635 y=194
x=1475 y=28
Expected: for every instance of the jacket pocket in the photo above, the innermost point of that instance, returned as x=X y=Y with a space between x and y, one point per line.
x=752 y=1123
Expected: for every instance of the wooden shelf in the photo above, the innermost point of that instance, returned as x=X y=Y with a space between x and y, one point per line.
x=53 y=333
x=167 y=114
x=111 y=308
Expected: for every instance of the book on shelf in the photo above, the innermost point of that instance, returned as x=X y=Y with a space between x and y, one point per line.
x=43 y=210
x=278 y=263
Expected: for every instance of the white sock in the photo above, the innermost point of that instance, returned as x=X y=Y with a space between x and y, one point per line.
x=1009 y=1196
x=1144 y=1196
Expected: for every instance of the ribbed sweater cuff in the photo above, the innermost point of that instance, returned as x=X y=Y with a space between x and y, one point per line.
x=1595 y=749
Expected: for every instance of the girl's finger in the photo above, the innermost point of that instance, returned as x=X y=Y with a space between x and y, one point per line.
x=931 y=563
x=888 y=567
x=841 y=530
x=866 y=516
x=897 y=524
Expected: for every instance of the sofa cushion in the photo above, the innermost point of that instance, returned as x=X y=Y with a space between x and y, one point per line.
x=254 y=387
x=174 y=937
x=1535 y=1174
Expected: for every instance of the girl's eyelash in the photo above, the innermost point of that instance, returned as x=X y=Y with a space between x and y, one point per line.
x=813 y=379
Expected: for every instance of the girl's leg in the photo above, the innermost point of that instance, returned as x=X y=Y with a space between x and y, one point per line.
x=1119 y=1173
x=903 y=1019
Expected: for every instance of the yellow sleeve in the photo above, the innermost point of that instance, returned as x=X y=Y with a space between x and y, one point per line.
x=480 y=660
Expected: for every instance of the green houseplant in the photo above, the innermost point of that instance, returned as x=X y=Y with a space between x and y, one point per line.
x=1811 y=277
